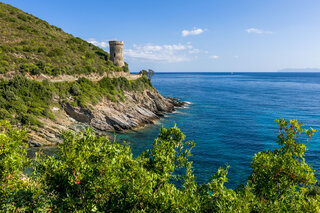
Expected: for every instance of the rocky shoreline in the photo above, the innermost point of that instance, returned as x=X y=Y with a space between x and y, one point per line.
x=138 y=109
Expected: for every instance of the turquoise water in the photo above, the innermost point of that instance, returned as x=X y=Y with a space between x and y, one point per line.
x=232 y=117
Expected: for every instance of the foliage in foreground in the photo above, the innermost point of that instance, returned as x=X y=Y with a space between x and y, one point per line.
x=92 y=174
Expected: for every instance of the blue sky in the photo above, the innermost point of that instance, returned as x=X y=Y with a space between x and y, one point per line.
x=194 y=36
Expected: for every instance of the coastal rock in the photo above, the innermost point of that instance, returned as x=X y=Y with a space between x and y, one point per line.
x=137 y=110
x=79 y=114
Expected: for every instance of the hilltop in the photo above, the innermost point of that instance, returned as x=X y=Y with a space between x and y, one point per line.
x=31 y=45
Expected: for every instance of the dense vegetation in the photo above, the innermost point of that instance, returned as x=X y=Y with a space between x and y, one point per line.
x=23 y=100
x=149 y=73
x=92 y=174
x=28 y=44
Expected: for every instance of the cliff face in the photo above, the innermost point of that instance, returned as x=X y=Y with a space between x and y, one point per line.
x=138 y=109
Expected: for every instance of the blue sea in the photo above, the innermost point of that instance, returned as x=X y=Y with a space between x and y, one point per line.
x=231 y=117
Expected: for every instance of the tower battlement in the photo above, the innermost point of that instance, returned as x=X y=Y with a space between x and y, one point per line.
x=116 y=53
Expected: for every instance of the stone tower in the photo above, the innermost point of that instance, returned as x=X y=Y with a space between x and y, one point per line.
x=116 y=55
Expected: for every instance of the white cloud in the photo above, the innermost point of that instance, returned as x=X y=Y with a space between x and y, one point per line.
x=257 y=31
x=195 y=31
x=193 y=51
x=214 y=57
x=102 y=44
x=161 y=53
x=175 y=47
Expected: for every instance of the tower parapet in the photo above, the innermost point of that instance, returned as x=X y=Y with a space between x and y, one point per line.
x=116 y=53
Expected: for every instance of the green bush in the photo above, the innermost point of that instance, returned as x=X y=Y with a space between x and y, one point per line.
x=32 y=68
x=23 y=98
x=18 y=192
x=42 y=49
x=90 y=54
x=23 y=28
x=126 y=67
x=4 y=63
x=3 y=70
x=91 y=174
x=27 y=48
x=23 y=17
x=10 y=19
x=277 y=173
x=5 y=48
x=75 y=89
x=55 y=52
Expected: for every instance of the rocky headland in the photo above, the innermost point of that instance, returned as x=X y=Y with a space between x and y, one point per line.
x=138 y=109
x=52 y=81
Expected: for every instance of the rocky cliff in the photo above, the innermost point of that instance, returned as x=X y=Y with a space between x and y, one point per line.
x=138 y=109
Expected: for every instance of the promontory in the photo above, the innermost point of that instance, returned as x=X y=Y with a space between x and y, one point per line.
x=51 y=81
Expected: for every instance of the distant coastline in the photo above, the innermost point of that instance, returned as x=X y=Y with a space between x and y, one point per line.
x=299 y=70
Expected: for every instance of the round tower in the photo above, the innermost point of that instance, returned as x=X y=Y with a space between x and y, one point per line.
x=116 y=55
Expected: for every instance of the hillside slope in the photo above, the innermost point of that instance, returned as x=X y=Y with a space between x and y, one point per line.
x=28 y=44
x=51 y=81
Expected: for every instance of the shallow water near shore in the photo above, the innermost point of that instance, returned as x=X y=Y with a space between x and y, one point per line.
x=232 y=117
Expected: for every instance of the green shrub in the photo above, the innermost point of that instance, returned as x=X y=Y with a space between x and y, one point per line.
x=91 y=174
x=82 y=47
x=22 y=28
x=5 y=48
x=126 y=67
x=4 y=63
x=74 y=40
x=18 y=48
x=23 y=17
x=42 y=49
x=55 y=52
x=10 y=19
x=278 y=173
x=3 y=70
x=27 y=48
x=56 y=72
x=90 y=55
x=75 y=89
x=19 y=192
x=22 y=97
x=89 y=69
x=4 y=114
x=32 y=68
x=30 y=120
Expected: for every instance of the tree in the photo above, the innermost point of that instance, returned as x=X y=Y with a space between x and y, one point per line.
x=282 y=176
x=149 y=73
